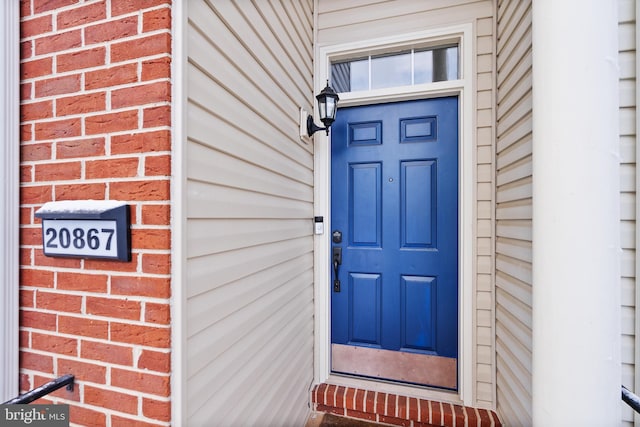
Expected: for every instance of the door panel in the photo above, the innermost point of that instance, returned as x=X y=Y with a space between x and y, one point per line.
x=418 y=204
x=394 y=174
x=365 y=204
x=419 y=312
x=365 y=308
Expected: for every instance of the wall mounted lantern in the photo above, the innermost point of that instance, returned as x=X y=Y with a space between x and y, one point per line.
x=327 y=106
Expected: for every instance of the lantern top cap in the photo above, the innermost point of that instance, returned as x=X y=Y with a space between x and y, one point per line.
x=328 y=91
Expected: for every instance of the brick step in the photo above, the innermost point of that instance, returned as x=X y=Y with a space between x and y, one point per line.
x=394 y=409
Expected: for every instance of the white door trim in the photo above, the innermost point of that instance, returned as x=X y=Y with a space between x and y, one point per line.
x=464 y=89
x=636 y=382
x=9 y=196
x=179 y=18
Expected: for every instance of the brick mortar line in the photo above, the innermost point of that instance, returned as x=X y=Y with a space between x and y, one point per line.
x=129 y=392
x=149 y=299
x=107 y=379
x=103 y=67
x=82 y=138
x=94 y=114
x=95 y=272
x=85 y=45
x=97 y=159
x=95 y=181
x=105 y=365
x=64 y=270
x=101 y=340
x=83 y=91
x=475 y=413
x=91 y=114
x=344 y=399
x=60 y=9
x=128 y=297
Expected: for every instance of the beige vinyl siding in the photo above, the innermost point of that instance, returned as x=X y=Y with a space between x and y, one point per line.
x=249 y=213
x=484 y=235
x=513 y=212
x=627 y=61
x=340 y=21
x=345 y=21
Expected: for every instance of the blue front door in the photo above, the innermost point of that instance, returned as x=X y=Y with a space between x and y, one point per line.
x=394 y=219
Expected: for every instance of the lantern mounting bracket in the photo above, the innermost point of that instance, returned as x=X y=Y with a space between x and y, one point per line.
x=313 y=128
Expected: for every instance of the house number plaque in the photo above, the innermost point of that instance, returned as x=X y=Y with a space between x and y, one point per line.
x=86 y=229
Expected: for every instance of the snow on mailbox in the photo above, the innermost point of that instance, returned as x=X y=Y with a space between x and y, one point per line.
x=86 y=229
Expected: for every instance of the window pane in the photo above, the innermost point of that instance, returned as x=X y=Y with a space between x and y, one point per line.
x=423 y=67
x=452 y=63
x=436 y=65
x=360 y=75
x=389 y=71
x=340 y=76
x=350 y=76
x=392 y=70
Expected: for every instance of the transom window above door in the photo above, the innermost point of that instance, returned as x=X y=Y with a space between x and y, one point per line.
x=405 y=68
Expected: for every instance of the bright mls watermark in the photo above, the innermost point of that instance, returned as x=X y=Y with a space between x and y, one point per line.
x=34 y=415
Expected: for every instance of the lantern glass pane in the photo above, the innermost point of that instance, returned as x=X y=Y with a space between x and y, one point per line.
x=331 y=108
x=322 y=109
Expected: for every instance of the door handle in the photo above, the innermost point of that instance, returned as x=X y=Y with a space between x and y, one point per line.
x=337 y=261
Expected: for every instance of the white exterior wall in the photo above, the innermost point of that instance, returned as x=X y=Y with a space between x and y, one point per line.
x=514 y=212
x=628 y=99
x=249 y=210
x=342 y=22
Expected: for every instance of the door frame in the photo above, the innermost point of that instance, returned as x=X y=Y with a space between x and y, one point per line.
x=464 y=90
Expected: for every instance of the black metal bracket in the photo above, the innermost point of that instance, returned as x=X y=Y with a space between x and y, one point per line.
x=313 y=128
x=43 y=390
x=631 y=399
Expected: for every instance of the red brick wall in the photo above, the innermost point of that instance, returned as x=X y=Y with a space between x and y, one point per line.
x=95 y=121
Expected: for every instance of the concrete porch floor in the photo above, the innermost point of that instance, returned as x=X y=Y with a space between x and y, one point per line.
x=319 y=419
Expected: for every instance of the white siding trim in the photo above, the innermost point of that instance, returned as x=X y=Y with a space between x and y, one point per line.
x=464 y=89
x=178 y=215
x=322 y=340
x=9 y=198
x=636 y=416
